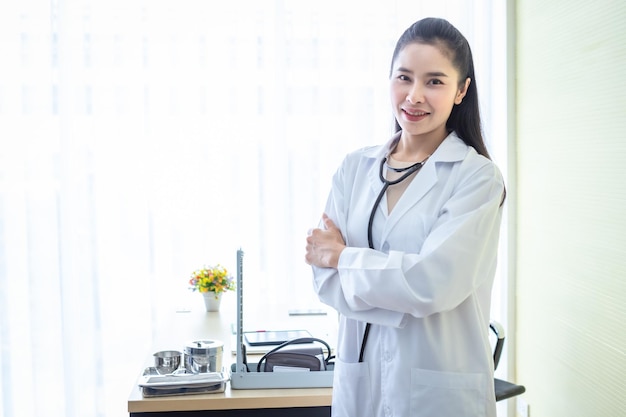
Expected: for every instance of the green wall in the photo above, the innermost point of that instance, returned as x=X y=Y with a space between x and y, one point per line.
x=571 y=206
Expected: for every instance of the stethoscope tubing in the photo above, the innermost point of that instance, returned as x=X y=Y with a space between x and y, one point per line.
x=386 y=184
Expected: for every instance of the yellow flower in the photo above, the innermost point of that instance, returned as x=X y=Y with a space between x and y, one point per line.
x=211 y=279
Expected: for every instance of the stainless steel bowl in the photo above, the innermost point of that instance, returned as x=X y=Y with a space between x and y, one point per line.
x=167 y=361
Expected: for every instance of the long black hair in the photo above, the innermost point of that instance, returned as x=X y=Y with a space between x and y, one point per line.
x=465 y=117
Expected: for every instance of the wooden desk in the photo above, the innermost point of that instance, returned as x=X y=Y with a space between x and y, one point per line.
x=187 y=326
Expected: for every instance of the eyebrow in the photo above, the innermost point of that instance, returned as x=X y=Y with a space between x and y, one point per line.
x=428 y=74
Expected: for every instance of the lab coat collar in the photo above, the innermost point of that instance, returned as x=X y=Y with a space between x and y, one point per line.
x=451 y=149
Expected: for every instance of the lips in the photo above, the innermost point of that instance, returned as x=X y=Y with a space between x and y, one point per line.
x=414 y=115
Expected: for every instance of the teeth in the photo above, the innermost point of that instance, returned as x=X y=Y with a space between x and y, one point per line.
x=416 y=114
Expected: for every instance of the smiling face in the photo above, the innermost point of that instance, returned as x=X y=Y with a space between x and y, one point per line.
x=424 y=87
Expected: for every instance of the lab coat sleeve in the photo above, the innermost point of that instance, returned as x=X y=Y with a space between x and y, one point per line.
x=457 y=257
x=326 y=281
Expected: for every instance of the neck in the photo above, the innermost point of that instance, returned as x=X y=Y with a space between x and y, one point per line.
x=413 y=148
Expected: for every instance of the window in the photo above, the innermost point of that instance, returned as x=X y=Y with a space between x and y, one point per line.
x=140 y=140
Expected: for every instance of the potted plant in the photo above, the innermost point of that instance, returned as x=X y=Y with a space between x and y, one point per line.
x=212 y=282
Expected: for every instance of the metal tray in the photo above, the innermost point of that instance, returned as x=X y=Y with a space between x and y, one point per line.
x=154 y=385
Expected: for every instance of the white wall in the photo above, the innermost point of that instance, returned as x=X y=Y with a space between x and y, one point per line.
x=571 y=159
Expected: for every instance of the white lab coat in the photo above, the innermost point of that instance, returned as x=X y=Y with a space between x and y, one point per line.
x=426 y=287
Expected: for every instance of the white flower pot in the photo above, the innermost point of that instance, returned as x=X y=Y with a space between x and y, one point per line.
x=212 y=301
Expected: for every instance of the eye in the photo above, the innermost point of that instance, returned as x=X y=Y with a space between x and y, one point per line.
x=403 y=77
x=435 y=81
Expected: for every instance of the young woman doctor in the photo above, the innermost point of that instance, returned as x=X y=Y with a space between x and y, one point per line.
x=407 y=248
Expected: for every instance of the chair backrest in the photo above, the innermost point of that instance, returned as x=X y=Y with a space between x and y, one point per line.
x=498 y=331
x=504 y=389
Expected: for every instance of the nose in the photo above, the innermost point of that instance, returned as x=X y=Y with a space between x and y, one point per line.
x=415 y=95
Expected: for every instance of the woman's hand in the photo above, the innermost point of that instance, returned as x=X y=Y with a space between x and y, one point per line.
x=323 y=246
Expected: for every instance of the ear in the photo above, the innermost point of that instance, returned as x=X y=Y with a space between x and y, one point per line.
x=462 y=92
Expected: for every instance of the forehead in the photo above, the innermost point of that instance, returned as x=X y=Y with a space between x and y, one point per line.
x=416 y=56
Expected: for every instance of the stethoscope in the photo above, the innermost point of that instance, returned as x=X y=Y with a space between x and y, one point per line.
x=406 y=173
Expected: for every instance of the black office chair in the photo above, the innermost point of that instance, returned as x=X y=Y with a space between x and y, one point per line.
x=504 y=389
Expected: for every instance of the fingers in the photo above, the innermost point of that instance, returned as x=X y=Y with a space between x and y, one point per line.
x=328 y=222
x=323 y=243
x=309 y=255
x=316 y=241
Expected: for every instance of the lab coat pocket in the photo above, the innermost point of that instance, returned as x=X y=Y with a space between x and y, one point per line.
x=351 y=390
x=447 y=394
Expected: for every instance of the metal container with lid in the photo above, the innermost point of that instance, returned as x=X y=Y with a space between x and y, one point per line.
x=204 y=356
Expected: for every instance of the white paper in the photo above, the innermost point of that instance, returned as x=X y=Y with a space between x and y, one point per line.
x=279 y=368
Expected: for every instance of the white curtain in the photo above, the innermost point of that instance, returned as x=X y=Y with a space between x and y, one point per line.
x=142 y=139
